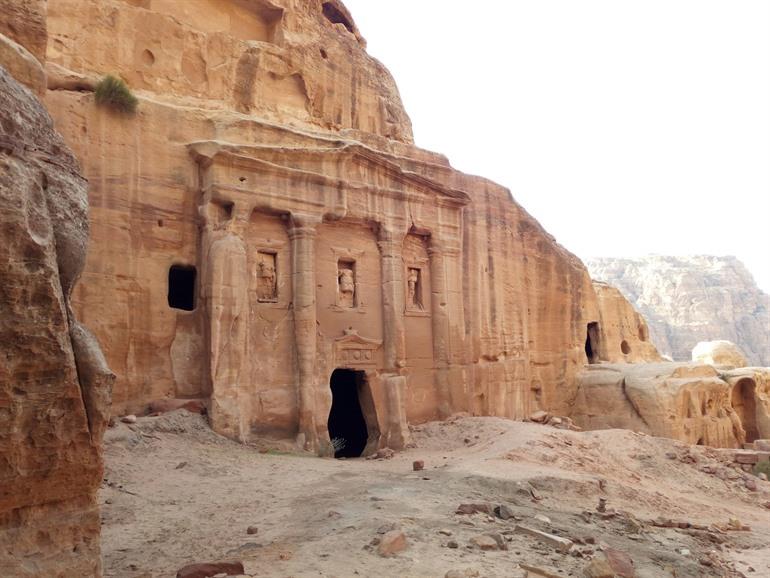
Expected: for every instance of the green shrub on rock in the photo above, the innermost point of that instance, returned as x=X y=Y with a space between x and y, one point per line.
x=114 y=93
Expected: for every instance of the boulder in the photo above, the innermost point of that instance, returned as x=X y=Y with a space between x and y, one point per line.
x=721 y=353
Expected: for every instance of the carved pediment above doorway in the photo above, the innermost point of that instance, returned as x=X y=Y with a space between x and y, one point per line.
x=353 y=350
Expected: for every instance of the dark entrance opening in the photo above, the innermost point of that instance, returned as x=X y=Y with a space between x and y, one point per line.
x=181 y=287
x=592 y=342
x=745 y=405
x=347 y=425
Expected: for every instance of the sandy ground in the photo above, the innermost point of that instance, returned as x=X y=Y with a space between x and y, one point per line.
x=175 y=493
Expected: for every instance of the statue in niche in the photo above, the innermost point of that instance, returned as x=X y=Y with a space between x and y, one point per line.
x=267 y=289
x=346 y=283
x=413 y=297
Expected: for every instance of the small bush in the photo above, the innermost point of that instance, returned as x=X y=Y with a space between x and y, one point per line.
x=762 y=468
x=114 y=93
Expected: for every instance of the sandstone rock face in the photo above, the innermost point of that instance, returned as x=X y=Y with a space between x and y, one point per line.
x=691 y=299
x=690 y=402
x=298 y=63
x=623 y=335
x=266 y=237
x=54 y=383
x=25 y=24
x=719 y=353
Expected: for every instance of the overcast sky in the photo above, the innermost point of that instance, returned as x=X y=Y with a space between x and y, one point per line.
x=625 y=127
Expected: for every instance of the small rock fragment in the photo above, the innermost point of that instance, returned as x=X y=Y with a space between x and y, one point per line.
x=130 y=418
x=539 y=416
x=492 y=541
x=474 y=508
x=598 y=568
x=209 y=569
x=252 y=530
x=452 y=544
x=418 y=465
x=561 y=544
x=392 y=543
x=503 y=512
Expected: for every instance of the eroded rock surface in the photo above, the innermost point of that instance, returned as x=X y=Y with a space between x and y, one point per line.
x=691 y=402
x=691 y=299
x=54 y=383
x=720 y=352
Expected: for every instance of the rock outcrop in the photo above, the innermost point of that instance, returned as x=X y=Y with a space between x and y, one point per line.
x=691 y=402
x=266 y=234
x=54 y=383
x=691 y=299
x=719 y=353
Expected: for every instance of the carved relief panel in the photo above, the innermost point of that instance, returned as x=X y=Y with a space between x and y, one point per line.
x=267 y=276
x=353 y=350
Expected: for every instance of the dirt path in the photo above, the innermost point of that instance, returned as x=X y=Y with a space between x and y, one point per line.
x=176 y=493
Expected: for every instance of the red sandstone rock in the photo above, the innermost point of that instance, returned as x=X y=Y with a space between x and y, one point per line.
x=392 y=543
x=54 y=383
x=418 y=465
x=620 y=562
x=208 y=569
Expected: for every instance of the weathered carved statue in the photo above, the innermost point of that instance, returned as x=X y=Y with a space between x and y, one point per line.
x=266 y=279
x=413 y=295
x=347 y=286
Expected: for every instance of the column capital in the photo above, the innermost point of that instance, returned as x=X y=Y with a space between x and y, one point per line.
x=303 y=225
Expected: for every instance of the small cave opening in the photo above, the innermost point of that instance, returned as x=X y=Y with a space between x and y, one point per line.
x=744 y=402
x=592 y=342
x=181 y=287
x=347 y=425
x=643 y=333
x=625 y=347
x=334 y=15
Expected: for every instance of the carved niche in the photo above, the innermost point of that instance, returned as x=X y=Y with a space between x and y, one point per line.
x=346 y=284
x=267 y=286
x=352 y=350
x=414 y=289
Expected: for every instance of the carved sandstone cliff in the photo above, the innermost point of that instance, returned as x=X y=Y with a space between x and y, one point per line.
x=266 y=234
x=691 y=299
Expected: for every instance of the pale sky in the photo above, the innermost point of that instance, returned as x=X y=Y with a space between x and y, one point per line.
x=625 y=127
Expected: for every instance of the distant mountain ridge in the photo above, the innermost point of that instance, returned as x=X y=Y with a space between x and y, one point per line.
x=690 y=299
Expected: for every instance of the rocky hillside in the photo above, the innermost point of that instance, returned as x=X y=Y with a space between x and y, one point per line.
x=692 y=299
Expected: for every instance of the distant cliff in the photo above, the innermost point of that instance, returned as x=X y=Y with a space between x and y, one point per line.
x=692 y=299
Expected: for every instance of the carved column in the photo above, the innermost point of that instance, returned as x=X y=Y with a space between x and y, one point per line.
x=447 y=318
x=394 y=346
x=302 y=234
x=224 y=289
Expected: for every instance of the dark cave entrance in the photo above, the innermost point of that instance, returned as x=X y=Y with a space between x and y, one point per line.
x=592 y=342
x=744 y=403
x=347 y=425
x=181 y=287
